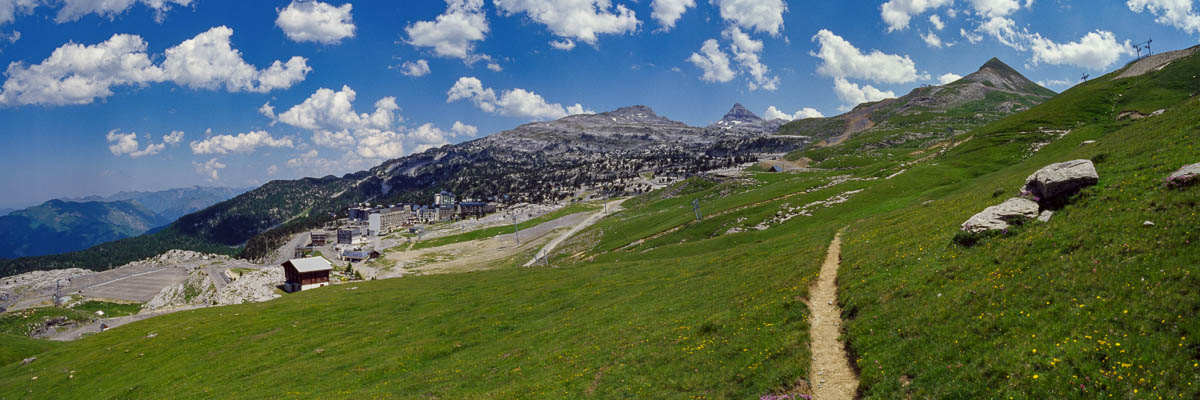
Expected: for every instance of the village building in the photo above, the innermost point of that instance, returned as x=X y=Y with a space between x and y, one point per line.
x=306 y=273
x=475 y=209
x=359 y=213
x=443 y=198
x=359 y=255
x=388 y=220
x=446 y=213
x=427 y=215
x=318 y=238
x=351 y=236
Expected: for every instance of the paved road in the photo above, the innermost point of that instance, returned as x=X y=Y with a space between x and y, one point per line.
x=288 y=251
x=219 y=278
x=612 y=207
x=134 y=283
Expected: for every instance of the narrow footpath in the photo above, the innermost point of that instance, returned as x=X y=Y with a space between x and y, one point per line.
x=831 y=376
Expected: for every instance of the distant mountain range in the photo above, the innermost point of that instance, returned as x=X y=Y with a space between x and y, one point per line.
x=64 y=225
x=172 y=203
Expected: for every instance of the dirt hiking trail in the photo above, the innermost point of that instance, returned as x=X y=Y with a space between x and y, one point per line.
x=831 y=376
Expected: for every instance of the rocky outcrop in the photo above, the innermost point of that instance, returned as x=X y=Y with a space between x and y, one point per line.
x=252 y=287
x=199 y=289
x=1000 y=217
x=1187 y=175
x=1054 y=182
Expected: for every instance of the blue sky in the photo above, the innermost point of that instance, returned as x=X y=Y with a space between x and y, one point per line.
x=101 y=96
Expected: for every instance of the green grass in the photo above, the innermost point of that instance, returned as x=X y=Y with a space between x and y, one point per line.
x=23 y=322
x=110 y=309
x=707 y=327
x=13 y=349
x=487 y=233
x=1092 y=304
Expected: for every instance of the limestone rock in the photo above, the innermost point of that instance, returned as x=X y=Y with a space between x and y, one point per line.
x=999 y=217
x=1056 y=181
x=1185 y=176
x=1045 y=216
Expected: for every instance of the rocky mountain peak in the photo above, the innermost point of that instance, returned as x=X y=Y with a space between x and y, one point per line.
x=632 y=111
x=996 y=74
x=737 y=116
x=740 y=113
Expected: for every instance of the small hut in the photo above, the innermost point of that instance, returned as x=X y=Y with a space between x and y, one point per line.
x=306 y=273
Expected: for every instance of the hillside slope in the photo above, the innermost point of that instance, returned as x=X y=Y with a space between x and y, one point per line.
x=930 y=112
x=58 y=226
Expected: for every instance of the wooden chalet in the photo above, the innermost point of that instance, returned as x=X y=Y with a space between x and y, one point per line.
x=306 y=273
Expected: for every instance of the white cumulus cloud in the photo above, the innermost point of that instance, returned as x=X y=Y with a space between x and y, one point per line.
x=173 y=138
x=314 y=21
x=1096 y=51
x=73 y=10
x=326 y=109
x=806 y=112
x=667 y=12
x=79 y=74
x=853 y=94
x=898 y=13
x=564 y=45
x=746 y=51
x=932 y=40
x=10 y=9
x=461 y=129
x=240 y=143
x=209 y=61
x=122 y=143
x=580 y=20
x=415 y=69
x=936 y=21
x=764 y=16
x=1057 y=83
x=840 y=59
x=713 y=61
x=514 y=102
x=127 y=143
x=454 y=33
x=209 y=169
x=948 y=78
x=1176 y=13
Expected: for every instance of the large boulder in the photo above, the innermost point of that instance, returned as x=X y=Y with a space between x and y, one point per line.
x=1187 y=175
x=1056 y=181
x=999 y=217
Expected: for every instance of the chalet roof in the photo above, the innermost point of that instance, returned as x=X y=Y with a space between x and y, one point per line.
x=311 y=264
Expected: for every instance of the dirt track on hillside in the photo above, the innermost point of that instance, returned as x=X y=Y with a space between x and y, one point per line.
x=831 y=374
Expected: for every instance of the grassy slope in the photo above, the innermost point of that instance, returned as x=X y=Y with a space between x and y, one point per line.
x=696 y=312
x=13 y=349
x=1089 y=305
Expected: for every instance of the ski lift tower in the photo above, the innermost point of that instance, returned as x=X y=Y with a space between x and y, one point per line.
x=1144 y=46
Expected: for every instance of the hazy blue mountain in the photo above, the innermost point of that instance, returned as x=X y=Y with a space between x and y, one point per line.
x=173 y=203
x=58 y=226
